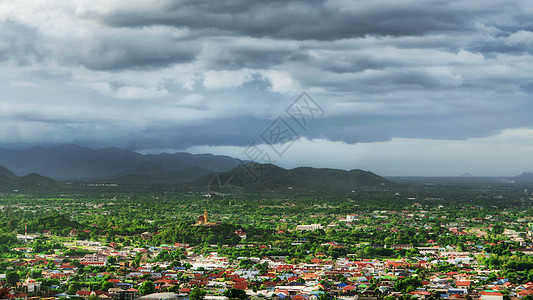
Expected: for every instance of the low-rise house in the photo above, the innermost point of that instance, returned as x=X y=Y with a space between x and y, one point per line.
x=490 y=295
x=94 y=259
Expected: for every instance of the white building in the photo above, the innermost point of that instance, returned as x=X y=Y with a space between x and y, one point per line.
x=311 y=227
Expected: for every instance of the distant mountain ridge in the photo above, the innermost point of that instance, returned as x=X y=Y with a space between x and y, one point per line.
x=212 y=172
x=258 y=177
x=77 y=162
x=10 y=182
x=270 y=178
x=524 y=177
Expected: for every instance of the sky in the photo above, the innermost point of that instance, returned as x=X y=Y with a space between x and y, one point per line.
x=398 y=87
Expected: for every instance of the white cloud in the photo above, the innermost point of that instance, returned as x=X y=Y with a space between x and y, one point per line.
x=226 y=79
x=521 y=37
x=134 y=92
x=129 y=92
x=282 y=82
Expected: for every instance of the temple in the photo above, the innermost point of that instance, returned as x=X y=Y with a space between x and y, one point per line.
x=202 y=219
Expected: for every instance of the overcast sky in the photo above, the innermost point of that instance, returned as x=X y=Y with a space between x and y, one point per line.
x=395 y=87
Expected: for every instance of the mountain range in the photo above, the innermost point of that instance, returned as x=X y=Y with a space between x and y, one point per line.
x=263 y=178
x=41 y=167
x=214 y=173
x=257 y=177
x=77 y=162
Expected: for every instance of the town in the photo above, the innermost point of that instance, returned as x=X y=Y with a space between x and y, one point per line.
x=424 y=248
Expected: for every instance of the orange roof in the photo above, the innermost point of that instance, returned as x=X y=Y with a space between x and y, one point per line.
x=525 y=292
x=462 y=283
x=485 y=293
x=425 y=293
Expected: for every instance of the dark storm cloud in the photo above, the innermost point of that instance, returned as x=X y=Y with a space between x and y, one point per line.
x=242 y=131
x=258 y=56
x=179 y=74
x=105 y=50
x=117 y=50
x=302 y=20
x=117 y=55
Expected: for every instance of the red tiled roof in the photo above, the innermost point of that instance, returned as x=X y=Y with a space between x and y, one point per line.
x=462 y=283
x=86 y=293
x=484 y=293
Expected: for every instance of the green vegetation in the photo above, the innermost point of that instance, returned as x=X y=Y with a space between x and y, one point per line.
x=147 y=235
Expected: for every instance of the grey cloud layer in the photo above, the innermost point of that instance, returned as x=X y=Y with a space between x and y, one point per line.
x=175 y=74
x=304 y=20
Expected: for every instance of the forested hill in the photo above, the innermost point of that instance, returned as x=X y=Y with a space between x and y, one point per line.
x=250 y=177
x=259 y=177
x=32 y=182
x=7 y=173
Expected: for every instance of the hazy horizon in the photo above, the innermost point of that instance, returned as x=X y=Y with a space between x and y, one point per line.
x=280 y=163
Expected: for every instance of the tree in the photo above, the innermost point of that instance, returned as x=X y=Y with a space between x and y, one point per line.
x=73 y=287
x=326 y=296
x=197 y=294
x=36 y=274
x=407 y=284
x=147 y=287
x=106 y=285
x=245 y=264
x=12 y=278
x=235 y=294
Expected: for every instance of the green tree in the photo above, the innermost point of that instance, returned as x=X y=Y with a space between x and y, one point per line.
x=407 y=284
x=106 y=285
x=326 y=296
x=147 y=287
x=197 y=294
x=235 y=294
x=36 y=274
x=12 y=278
x=73 y=287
